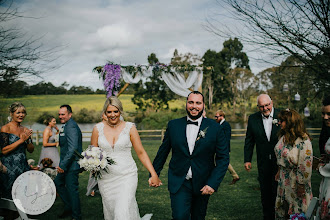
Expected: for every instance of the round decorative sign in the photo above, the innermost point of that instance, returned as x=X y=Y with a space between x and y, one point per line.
x=34 y=192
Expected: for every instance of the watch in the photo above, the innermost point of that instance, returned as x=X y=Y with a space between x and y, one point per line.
x=34 y=192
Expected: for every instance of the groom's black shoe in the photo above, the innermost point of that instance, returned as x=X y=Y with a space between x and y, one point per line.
x=65 y=214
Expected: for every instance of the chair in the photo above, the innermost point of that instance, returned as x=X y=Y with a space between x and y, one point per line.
x=9 y=204
x=313 y=205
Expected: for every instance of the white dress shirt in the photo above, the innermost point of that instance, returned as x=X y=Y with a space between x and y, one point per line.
x=191 y=133
x=268 y=123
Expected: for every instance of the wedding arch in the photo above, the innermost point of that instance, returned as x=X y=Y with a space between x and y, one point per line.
x=180 y=79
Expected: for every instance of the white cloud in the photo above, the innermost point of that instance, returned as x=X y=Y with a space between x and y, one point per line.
x=125 y=32
x=117 y=35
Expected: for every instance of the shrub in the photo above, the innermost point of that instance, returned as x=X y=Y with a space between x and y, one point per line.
x=87 y=116
x=157 y=120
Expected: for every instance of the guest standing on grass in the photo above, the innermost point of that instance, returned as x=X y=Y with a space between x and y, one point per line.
x=262 y=132
x=199 y=160
x=66 y=181
x=15 y=139
x=294 y=154
x=324 y=197
x=220 y=118
x=49 y=142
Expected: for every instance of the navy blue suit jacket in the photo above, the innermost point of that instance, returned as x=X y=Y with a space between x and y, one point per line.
x=208 y=161
x=70 y=140
x=227 y=130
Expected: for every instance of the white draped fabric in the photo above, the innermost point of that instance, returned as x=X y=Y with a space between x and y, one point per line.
x=174 y=80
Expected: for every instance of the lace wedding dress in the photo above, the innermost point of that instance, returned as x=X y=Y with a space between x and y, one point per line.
x=118 y=187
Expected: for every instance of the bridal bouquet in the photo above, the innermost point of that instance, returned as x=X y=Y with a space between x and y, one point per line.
x=94 y=159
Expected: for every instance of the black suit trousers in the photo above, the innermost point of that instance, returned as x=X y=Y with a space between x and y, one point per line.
x=268 y=188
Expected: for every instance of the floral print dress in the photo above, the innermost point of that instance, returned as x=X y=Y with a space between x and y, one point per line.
x=295 y=166
x=324 y=211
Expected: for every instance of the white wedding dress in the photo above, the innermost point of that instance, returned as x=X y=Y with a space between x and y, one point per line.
x=118 y=187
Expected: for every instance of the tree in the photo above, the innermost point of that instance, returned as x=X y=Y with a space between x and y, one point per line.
x=288 y=79
x=10 y=85
x=243 y=86
x=80 y=90
x=153 y=93
x=19 y=53
x=284 y=28
x=185 y=59
x=42 y=88
x=212 y=75
x=217 y=79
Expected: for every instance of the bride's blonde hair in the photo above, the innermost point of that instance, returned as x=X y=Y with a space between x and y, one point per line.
x=114 y=101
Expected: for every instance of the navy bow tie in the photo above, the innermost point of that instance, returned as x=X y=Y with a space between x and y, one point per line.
x=192 y=122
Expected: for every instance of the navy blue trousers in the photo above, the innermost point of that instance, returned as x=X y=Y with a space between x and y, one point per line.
x=67 y=185
x=188 y=206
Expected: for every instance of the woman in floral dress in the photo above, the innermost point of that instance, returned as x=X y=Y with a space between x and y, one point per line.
x=324 y=197
x=294 y=157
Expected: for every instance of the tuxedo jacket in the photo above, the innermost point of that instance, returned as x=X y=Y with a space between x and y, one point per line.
x=70 y=140
x=256 y=135
x=208 y=161
x=227 y=130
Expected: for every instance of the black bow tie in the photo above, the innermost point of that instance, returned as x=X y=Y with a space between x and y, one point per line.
x=192 y=122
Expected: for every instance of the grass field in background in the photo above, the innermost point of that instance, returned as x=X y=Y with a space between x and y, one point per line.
x=231 y=202
x=35 y=105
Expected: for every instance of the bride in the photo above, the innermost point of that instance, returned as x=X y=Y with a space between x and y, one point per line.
x=118 y=187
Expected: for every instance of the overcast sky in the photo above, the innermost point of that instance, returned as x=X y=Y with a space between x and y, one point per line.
x=91 y=32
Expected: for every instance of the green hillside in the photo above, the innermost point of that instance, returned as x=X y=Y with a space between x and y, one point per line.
x=36 y=105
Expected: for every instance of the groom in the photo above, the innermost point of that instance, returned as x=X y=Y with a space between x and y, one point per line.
x=66 y=180
x=199 y=160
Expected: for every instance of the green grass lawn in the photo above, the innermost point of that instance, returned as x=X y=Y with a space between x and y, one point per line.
x=239 y=201
x=36 y=104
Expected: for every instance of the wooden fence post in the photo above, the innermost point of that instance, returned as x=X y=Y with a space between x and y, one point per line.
x=162 y=134
x=37 y=137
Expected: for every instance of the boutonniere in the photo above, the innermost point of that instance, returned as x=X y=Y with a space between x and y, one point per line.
x=275 y=122
x=202 y=134
x=61 y=129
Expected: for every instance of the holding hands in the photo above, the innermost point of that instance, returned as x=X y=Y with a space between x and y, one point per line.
x=154 y=181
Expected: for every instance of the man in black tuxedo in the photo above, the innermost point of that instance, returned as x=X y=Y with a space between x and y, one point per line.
x=199 y=160
x=220 y=117
x=262 y=131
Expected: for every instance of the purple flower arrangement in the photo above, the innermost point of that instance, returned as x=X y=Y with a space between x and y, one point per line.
x=111 y=75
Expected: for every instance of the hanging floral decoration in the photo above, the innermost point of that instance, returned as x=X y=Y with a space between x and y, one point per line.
x=111 y=76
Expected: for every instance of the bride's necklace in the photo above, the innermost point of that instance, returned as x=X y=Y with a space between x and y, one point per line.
x=114 y=126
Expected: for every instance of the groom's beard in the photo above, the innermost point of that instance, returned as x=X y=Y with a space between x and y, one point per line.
x=194 y=117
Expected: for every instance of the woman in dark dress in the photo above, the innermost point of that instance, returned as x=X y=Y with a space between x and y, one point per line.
x=14 y=140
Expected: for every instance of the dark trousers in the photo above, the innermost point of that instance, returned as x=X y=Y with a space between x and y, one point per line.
x=268 y=189
x=67 y=185
x=186 y=205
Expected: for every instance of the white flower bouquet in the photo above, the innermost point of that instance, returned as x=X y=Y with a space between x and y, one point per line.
x=94 y=159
